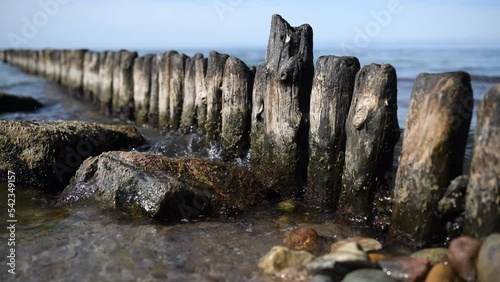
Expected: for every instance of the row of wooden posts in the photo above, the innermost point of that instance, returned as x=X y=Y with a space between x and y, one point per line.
x=327 y=132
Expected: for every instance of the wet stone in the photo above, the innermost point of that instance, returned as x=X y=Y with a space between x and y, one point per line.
x=375 y=257
x=13 y=103
x=405 y=268
x=343 y=260
x=367 y=244
x=279 y=258
x=488 y=262
x=292 y=275
x=433 y=255
x=303 y=239
x=462 y=254
x=368 y=275
x=442 y=273
x=162 y=187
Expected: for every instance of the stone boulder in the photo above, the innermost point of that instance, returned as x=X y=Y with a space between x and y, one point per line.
x=162 y=187
x=13 y=103
x=46 y=154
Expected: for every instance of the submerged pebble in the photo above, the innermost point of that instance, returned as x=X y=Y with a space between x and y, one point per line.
x=279 y=258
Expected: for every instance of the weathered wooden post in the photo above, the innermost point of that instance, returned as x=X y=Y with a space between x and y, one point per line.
x=213 y=84
x=482 y=208
x=236 y=109
x=142 y=88
x=331 y=95
x=188 y=116
x=156 y=63
x=372 y=131
x=75 y=72
x=106 y=81
x=170 y=95
x=116 y=86
x=126 y=94
x=432 y=155
x=201 y=93
x=280 y=108
x=91 y=75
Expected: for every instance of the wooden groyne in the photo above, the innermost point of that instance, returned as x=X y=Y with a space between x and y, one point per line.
x=325 y=136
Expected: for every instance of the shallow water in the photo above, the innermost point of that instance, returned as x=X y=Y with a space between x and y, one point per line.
x=88 y=244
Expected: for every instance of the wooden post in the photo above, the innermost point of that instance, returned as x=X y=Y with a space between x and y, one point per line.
x=115 y=104
x=482 y=208
x=331 y=95
x=201 y=93
x=280 y=108
x=188 y=116
x=372 y=131
x=156 y=63
x=176 y=94
x=126 y=93
x=75 y=72
x=164 y=77
x=432 y=155
x=91 y=75
x=142 y=88
x=213 y=80
x=236 y=109
x=106 y=81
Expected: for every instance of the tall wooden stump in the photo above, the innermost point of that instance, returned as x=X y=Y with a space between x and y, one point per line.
x=75 y=71
x=126 y=94
x=482 y=208
x=372 y=131
x=91 y=75
x=213 y=80
x=153 y=112
x=116 y=86
x=164 y=77
x=142 y=88
x=280 y=108
x=236 y=109
x=188 y=115
x=331 y=96
x=106 y=81
x=171 y=81
x=432 y=155
x=201 y=93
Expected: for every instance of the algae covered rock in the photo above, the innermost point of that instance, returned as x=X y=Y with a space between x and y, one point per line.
x=46 y=154
x=13 y=103
x=162 y=187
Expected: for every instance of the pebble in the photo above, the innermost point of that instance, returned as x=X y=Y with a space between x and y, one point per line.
x=368 y=275
x=367 y=244
x=442 y=273
x=343 y=260
x=405 y=268
x=433 y=255
x=462 y=254
x=291 y=274
x=488 y=262
x=375 y=257
x=303 y=239
x=279 y=258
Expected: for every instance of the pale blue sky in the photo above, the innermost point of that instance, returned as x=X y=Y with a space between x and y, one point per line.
x=165 y=24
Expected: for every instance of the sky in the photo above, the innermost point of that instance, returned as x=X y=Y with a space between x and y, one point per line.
x=170 y=24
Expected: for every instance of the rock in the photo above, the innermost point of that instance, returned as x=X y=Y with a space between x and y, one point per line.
x=345 y=259
x=367 y=244
x=368 y=275
x=488 y=262
x=279 y=258
x=375 y=257
x=280 y=109
x=46 y=154
x=442 y=273
x=13 y=103
x=321 y=278
x=453 y=202
x=405 y=268
x=433 y=255
x=287 y=206
x=432 y=153
x=482 y=208
x=292 y=275
x=462 y=255
x=162 y=187
x=303 y=239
